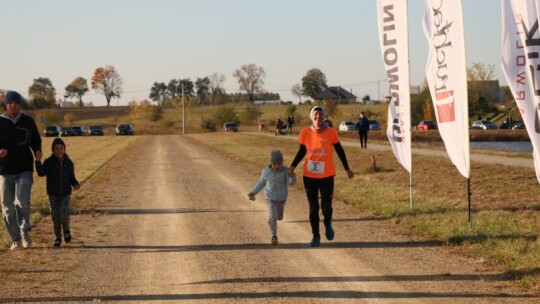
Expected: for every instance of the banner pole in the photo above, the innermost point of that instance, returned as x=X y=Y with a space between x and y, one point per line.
x=469 y=199
x=411 y=190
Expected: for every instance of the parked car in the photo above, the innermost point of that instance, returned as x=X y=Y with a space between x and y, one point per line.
x=230 y=126
x=125 y=129
x=53 y=131
x=426 y=125
x=483 y=125
x=95 y=131
x=347 y=126
x=67 y=131
x=374 y=125
x=518 y=125
x=78 y=130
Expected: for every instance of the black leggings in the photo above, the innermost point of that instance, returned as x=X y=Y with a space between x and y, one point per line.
x=363 y=138
x=326 y=188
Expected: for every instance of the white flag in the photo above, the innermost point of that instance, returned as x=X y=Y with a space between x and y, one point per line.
x=393 y=37
x=447 y=77
x=521 y=65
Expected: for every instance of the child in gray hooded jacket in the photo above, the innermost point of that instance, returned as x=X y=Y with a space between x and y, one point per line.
x=275 y=180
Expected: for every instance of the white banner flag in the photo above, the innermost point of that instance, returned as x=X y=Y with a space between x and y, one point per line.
x=393 y=37
x=447 y=77
x=521 y=64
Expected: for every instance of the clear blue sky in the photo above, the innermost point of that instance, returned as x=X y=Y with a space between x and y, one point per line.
x=159 y=40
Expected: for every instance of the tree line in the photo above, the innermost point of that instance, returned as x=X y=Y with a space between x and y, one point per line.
x=209 y=90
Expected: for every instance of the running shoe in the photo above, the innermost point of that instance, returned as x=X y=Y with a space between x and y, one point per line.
x=315 y=242
x=329 y=232
x=26 y=239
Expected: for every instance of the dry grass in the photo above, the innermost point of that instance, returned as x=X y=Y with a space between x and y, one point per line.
x=506 y=209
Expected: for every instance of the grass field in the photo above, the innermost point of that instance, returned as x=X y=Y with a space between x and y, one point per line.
x=505 y=229
x=88 y=153
x=505 y=200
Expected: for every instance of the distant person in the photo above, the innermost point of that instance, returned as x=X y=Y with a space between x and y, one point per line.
x=60 y=172
x=316 y=143
x=19 y=143
x=275 y=181
x=362 y=125
x=290 y=123
x=328 y=122
x=279 y=125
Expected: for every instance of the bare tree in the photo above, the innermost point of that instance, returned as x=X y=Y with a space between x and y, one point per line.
x=216 y=82
x=251 y=79
x=296 y=90
x=107 y=81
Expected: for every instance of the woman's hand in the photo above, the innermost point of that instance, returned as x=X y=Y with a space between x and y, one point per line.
x=290 y=172
x=350 y=174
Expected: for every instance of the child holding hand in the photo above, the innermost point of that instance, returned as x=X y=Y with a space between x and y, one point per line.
x=275 y=180
x=60 y=173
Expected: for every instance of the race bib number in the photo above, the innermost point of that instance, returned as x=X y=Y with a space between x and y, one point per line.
x=315 y=167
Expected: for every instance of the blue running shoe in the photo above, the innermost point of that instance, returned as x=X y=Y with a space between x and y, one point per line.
x=329 y=232
x=315 y=242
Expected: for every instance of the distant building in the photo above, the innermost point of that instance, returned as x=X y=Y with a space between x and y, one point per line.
x=67 y=104
x=338 y=94
x=268 y=102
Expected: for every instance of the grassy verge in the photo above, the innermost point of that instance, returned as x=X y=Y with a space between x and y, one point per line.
x=88 y=153
x=505 y=200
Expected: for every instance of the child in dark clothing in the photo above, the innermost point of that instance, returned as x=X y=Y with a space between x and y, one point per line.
x=60 y=173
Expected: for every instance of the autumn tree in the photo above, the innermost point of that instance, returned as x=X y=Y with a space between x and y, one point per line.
x=43 y=93
x=108 y=82
x=313 y=83
x=479 y=77
x=77 y=88
x=251 y=79
x=296 y=90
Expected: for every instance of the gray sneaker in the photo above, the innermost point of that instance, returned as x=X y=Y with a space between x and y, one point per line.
x=16 y=244
x=26 y=239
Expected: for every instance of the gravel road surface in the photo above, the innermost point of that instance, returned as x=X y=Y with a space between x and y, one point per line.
x=170 y=221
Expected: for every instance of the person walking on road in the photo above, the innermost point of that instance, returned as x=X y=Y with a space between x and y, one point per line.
x=60 y=172
x=316 y=143
x=275 y=179
x=19 y=143
x=362 y=125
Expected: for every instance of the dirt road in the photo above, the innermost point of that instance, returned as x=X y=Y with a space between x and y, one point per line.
x=170 y=221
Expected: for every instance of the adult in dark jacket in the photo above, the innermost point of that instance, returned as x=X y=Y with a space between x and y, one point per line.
x=60 y=172
x=363 y=127
x=19 y=142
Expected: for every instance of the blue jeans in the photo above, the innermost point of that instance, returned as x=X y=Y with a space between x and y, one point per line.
x=15 y=192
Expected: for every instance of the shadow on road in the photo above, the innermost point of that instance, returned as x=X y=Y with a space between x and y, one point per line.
x=268 y=295
x=259 y=246
x=154 y=211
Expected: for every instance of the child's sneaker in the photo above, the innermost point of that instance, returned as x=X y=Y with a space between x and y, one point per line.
x=67 y=236
x=16 y=244
x=316 y=241
x=57 y=242
x=274 y=240
x=26 y=239
x=329 y=232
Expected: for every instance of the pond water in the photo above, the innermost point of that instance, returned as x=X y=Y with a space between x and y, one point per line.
x=508 y=146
